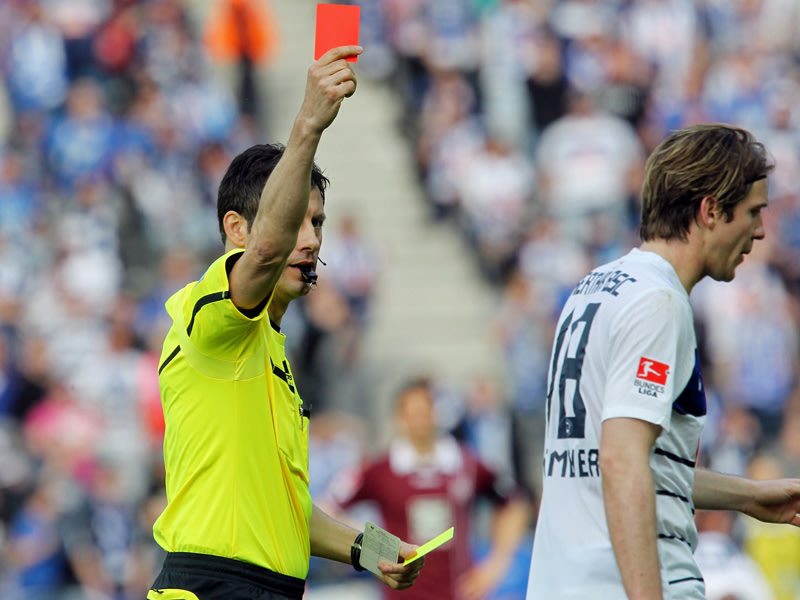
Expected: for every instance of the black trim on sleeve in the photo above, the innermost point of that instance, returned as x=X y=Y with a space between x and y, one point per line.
x=169 y=359
x=215 y=297
x=252 y=313
x=685 y=579
x=673 y=495
x=665 y=536
x=675 y=457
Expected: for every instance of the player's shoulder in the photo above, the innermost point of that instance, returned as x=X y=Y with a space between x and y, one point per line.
x=635 y=273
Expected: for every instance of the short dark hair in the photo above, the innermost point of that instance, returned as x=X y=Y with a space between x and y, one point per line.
x=708 y=159
x=241 y=187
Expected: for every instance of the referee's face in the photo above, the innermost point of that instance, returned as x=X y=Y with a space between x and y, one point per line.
x=291 y=284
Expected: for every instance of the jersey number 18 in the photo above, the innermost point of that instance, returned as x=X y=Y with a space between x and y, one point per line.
x=567 y=362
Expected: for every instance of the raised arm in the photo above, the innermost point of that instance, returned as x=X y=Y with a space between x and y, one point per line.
x=284 y=200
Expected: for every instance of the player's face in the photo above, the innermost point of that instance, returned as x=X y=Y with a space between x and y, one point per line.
x=291 y=284
x=734 y=239
x=417 y=415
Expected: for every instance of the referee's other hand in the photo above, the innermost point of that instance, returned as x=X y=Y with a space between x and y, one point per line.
x=399 y=576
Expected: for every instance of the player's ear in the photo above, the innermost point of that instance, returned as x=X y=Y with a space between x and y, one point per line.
x=236 y=228
x=710 y=212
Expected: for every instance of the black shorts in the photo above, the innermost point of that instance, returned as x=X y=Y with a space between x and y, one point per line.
x=189 y=576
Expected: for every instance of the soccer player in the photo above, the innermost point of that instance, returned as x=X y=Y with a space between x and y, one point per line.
x=240 y=523
x=428 y=482
x=625 y=398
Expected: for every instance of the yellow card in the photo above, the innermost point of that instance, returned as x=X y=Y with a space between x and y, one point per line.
x=440 y=539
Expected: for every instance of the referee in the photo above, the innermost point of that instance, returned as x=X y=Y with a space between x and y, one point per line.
x=239 y=522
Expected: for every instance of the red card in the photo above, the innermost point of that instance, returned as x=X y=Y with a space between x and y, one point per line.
x=337 y=25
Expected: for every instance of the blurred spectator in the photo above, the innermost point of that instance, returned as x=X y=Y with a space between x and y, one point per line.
x=669 y=36
x=7 y=378
x=407 y=33
x=34 y=559
x=495 y=193
x=327 y=351
x=452 y=36
x=547 y=82
x=450 y=135
x=101 y=535
x=114 y=43
x=78 y=21
x=353 y=266
x=62 y=436
x=624 y=87
x=777 y=22
x=509 y=35
x=35 y=59
x=30 y=376
x=14 y=276
x=783 y=137
x=242 y=32
x=79 y=143
x=379 y=60
x=734 y=90
x=19 y=210
x=17 y=475
x=589 y=164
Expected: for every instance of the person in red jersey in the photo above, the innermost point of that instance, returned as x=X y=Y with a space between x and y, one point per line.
x=426 y=483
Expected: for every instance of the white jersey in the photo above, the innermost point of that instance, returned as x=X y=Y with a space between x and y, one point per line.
x=625 y=347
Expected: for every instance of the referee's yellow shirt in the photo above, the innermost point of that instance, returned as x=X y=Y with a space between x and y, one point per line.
x=236 y=442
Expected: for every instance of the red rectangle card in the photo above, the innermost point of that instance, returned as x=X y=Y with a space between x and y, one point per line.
x=337 y=25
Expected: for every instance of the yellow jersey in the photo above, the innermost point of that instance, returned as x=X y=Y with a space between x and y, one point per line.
x=236 y=440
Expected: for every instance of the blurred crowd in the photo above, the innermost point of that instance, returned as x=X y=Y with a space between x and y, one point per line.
x=529 y=121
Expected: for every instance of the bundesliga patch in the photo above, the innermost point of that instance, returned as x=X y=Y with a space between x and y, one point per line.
x=652 y=370
x=651 y=377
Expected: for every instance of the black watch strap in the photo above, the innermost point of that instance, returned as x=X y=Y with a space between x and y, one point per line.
x=355 y=553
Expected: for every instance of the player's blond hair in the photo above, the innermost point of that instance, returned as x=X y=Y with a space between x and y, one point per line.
x=709 y=159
